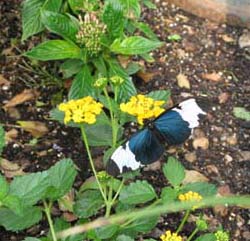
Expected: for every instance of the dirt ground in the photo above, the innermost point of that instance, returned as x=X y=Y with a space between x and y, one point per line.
x=207 y=61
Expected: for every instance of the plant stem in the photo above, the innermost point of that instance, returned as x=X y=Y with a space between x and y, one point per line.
x=109 y=202
x=113 y=120
x=85 y=140
x=118 y=191
x=192 y=234
x=47 y=208
x=183 y=221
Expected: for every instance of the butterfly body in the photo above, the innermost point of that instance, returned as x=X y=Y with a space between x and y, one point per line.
x=146 y=146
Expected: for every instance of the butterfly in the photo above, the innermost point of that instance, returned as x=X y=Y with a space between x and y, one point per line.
x=146 y=146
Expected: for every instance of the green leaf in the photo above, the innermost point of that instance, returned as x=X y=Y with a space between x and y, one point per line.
x=168 y=194
x=31 y=22
x=4 y=188
x=60 y=24
x=143 y=27
x=71 y=67
x=127 y=88
x=60 y=177
x=106 y=231
x=137 y=192
x=147 y=57
x=30 y=188
x=53 y=50
x=124 y=238
x=143 y=224
x=113 y=18
x=174 y=171
x=2 y=142
x=150 y=239
x=100 y=65
x=160 y=95
x=14 y=204
x=134 y=45
x=31 y=239
x=88 y=203
x=174 y=37
x=133 y=68
x=82 y=85
x=52 y=5
x=242 y=113
x=133 y=8
x=207 y=237
x=13 y=222
x=203 y=188
x=149 y=4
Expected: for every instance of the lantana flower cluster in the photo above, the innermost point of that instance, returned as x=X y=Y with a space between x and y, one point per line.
x=190 y=196
x=81 y=111
x=168 y=236
x=221 y=236
x=143 y=107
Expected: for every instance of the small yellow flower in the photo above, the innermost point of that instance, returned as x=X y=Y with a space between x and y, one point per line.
x=101 y=82
x=143 y=107
x=80 y=111
x=116 y=80
x=190 y=196
x=168 y=236
x=103 y=176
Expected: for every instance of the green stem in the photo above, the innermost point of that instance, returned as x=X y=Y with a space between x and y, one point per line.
x=118 y=191
x=113 y=120
x=192 y=234
x=183 y=221
x=109 y=202
x=47 y=208
x=85 y=140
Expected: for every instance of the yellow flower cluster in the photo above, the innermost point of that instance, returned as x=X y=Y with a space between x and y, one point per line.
x=80 y=111
x=168 y=236
x=143 y=107
x=190 y=196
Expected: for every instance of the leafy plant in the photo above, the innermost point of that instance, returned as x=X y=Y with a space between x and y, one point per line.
x=93 y=35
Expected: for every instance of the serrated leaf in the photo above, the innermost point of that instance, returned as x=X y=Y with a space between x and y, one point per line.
x=100 y=65
x=4 y=187
x=124 y=238
x=149 y=4
x=242 y=113
x=13 y=203
x=31 y=22
x=88 y=203
x=160 y=95
x=106 y=231
x=133 y=68
x=2 y=139
x=52 y=5
x=71 y=67
x=113 y=18
x=207 y=237
x=203 y=188
x=143 y=27
x=54 y=50
x=14 y=222
x=60 y=24
x=30 y=188
x=133 y=8
x=60 y=177
x=174 y=171
x=82 y=85
x=137 y=192
x=143 y=224
x=168 y=195
x=134 y=45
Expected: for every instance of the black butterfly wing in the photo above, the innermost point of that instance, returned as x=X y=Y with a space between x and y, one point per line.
x=141 y=149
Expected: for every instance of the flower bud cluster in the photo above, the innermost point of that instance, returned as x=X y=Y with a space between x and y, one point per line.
x=90 y=33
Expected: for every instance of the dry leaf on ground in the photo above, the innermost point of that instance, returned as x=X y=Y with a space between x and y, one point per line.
x=201 y=142
x=11 y=135
x=194 y=176
x=3 y=81
x=10 y=169
x=26 y=95
x=212 y=76
x=36 y=128
x=183 y=81
x=146 y=76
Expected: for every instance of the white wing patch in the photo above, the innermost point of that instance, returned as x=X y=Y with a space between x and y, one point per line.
x=124 y=157
x=189 y=111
